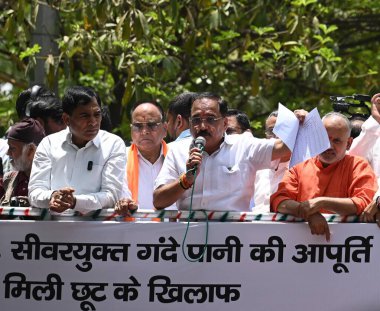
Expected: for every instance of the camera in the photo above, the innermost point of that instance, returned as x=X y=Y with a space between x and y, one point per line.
x=354 y=106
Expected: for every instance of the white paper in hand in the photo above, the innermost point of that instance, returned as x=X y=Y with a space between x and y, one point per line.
x=306 y=140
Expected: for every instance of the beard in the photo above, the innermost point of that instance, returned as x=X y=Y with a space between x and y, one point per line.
x=21 y=163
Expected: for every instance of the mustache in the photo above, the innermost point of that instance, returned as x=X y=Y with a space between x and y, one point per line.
x=329 y=150
x=203 y=133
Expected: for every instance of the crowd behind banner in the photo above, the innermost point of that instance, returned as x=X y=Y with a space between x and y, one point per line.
x=60 y=156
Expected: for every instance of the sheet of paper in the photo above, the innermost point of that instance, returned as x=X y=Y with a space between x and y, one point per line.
x=286 y=127
x=312 y=139
x=305 y=141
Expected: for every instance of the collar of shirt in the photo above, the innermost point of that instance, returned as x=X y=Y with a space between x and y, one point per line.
x=68 y=140
x=146 y=161
x=184 y=134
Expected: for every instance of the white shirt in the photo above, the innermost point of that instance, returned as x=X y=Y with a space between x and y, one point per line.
x=3 y=147
x=367 y=145
x=58 y=163
x=266 y=184
x=226 y=178
x=147 y=175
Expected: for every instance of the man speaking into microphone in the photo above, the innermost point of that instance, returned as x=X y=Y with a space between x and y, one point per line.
x=223 y=175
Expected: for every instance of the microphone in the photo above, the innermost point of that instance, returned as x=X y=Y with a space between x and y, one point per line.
x=200 y=142
x=89 y=165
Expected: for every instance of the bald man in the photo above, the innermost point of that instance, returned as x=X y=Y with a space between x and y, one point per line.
x=331 y=182
x=144 y=157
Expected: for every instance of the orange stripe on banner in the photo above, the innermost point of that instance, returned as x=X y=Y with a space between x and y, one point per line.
x=129 y=219
x=1 y=210
x=242 y=217
x=344 y=219
x=178 y=215
x=26 y=212
x=210 y=215
x=274 y=217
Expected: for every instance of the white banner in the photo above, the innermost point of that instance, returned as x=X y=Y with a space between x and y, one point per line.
x=64 y=266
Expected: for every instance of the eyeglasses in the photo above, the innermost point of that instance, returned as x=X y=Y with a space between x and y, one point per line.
x=149 y=126
x=209 y=120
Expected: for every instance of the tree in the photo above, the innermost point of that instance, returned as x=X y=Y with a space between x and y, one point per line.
x=254 y=53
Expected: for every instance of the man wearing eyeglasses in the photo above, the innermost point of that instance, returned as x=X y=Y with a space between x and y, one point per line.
x=144 y=157
x=225 y=172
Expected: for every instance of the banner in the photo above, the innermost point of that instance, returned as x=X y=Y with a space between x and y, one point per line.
x=64 y=266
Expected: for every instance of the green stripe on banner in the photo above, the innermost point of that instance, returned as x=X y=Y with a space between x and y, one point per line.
x=96 y=214
x=283 y=217
x=356 y=219
x=331 y=218
x=11 y=211
x=258 y=217
x=191 y=216
x=44 y=212
x=161 y=214
x=224 y=217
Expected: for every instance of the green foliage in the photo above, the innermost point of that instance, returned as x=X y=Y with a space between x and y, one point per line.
x=255 y=54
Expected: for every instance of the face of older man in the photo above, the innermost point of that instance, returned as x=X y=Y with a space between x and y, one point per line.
x=340 y=140
x=207 y=121
x=18 y=156
x=148 y=128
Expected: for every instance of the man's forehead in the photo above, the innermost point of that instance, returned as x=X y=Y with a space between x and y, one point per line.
x=91 y=106
x=271 y=121
x=205 y=105
x=147 y=110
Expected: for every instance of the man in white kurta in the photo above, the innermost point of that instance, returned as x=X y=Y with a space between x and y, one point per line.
x=226 y=169
x=80 y=168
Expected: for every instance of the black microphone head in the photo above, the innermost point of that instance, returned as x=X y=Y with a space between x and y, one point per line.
x=200 y=142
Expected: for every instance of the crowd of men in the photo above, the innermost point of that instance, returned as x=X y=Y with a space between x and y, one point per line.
x=60 y=159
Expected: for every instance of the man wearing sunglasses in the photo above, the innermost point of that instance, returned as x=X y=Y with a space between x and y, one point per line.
x=144 y=157
x=225 y=171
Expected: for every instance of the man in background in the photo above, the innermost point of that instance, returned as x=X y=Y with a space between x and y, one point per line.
x=267 y=180
x=178 y=116
x=144 y=157
x=237 y=122
x=23 y=139
x=41 y=104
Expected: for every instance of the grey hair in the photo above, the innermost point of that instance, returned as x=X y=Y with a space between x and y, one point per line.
x=339 y=115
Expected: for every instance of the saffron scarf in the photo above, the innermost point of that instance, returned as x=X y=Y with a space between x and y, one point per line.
x=133 y=169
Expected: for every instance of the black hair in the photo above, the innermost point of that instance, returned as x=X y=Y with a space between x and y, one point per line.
x=78 y=95
x=27 y=97
x=154 y=103
x=223 y=106
x=241 y=118
x=181 y=105
x=49 y=107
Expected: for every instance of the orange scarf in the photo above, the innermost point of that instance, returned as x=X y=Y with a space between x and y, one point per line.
x=133 y=169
